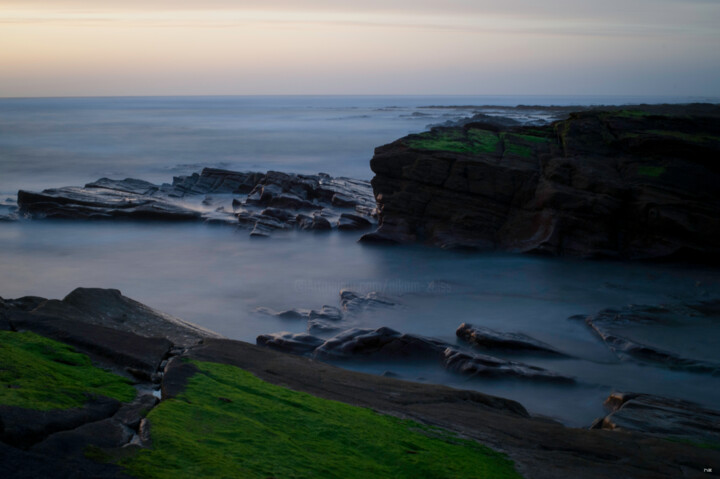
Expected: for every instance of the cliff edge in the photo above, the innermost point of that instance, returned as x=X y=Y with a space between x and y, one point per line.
x=636 y=183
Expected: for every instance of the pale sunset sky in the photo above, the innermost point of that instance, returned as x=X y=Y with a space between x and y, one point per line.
x=469 y=47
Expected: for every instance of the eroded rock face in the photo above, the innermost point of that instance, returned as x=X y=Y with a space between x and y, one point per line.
x=662 y=416
x=486 y=338
x=261 y=202
x=622 y=184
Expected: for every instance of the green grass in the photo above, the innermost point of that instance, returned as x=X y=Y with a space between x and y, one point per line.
x=528 y=138
x=632 y=114
x=39 y=373
x=473 y=141
x=228 y=424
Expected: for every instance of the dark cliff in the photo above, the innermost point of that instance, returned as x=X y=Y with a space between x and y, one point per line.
x=628 y=184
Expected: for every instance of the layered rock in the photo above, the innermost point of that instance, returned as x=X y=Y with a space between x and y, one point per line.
x=623 y=183
x=663 y=416
x=260 y=202
x=387 y=344
x=486 y=338
x=611 y=326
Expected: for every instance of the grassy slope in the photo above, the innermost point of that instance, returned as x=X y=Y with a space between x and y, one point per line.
x=39 y=373
x=228 y=423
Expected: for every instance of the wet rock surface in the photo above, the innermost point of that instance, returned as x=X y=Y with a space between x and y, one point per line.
x=260 y=202
x=611 y=325
x=388 y=344
x=486 y=338
x=540 y=448
x=631 y=183
x=663 y=416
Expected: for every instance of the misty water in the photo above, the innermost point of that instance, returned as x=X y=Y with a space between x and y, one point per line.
x=217 y=276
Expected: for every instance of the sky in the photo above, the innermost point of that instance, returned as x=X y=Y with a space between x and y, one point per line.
x=393 y=47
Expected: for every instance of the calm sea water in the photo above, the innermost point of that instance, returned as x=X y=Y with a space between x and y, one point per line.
x=218 y=276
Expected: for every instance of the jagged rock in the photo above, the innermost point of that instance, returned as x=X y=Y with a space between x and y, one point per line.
x=662 y=416
x=353 y=302
x=132 y=413
x=623 y=184
x=316 y=222
x=489 y=339
x=608 y=324
x=488 y=366
x=295 y=343
x=272 y=202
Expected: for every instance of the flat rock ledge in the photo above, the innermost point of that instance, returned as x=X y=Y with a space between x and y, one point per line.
x=260 y=202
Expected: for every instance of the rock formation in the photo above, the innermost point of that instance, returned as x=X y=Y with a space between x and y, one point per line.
x=622 y=184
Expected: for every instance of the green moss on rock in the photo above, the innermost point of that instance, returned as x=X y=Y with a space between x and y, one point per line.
x=229 y=423
x=39 y=373
x=473 y=141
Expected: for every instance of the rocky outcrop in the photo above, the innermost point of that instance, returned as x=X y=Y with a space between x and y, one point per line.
x=486 y=338
x=387 y=344
x=663 y=416
x=610 y=325
x=260 y=202
x=621 y=184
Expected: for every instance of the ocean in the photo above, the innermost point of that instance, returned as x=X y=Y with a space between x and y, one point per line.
x=217 y=276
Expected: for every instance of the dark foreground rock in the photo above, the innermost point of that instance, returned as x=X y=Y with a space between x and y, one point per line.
x=623 y=184
x=662 y=416
x=261 y=202
x=388 y=344
x=541 y=449
x=486 y=338
x=610 y=326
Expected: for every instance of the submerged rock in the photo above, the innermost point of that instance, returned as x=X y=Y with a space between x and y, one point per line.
x=387 y=344
x=488 y=366
x=623 y=183
x=489 y=339
x=609 y=325
x=662 y=416
x=353 y=302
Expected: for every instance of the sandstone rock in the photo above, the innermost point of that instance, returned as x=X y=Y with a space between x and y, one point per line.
x=489 y=339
